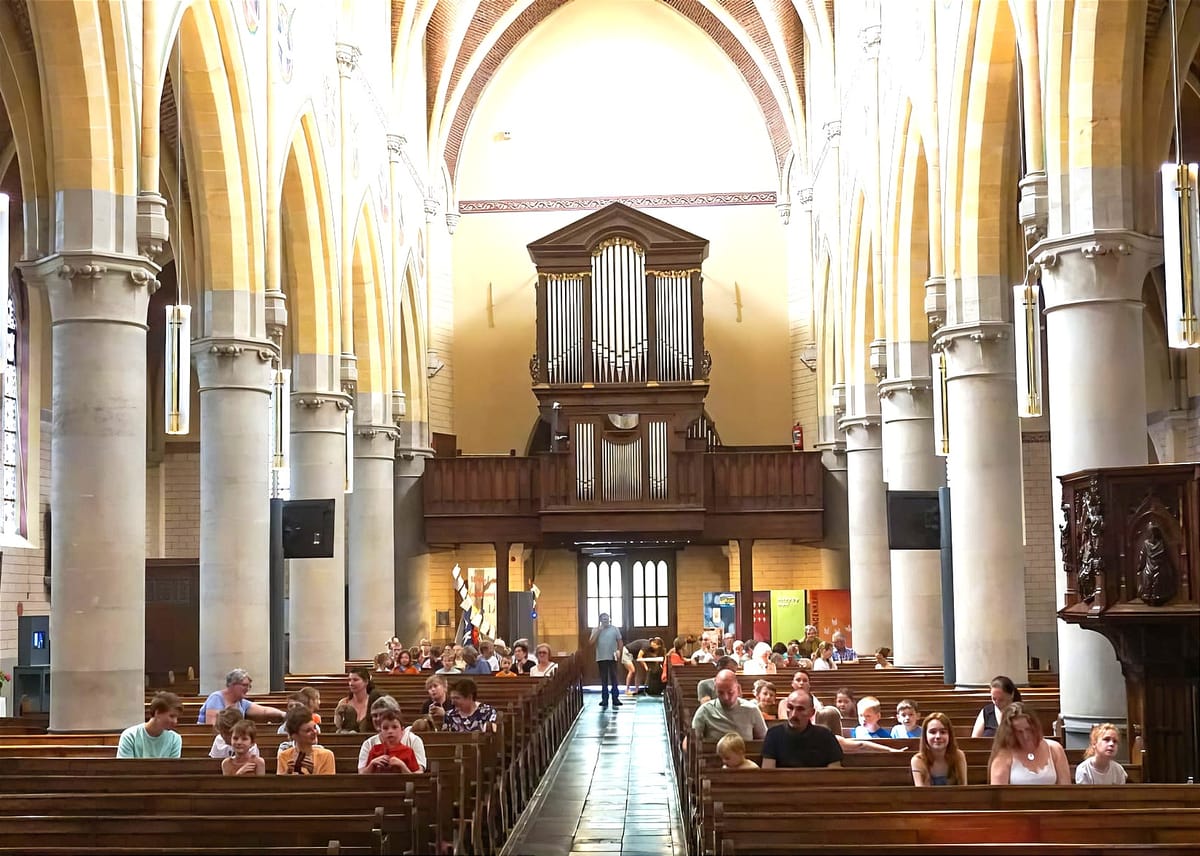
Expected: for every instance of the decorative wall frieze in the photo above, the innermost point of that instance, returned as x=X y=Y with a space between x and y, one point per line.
x=592 y=203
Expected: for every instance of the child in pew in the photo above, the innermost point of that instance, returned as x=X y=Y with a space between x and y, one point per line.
x=868 y=715
x=390 y=755
x=732 y=751
x=221 y=745
x=505 y=670
x=1099 y=765
x=245 y=760
x=309 y=701
x=908 y=719
x=832 y=719
x=304 y=757
x=939 y=761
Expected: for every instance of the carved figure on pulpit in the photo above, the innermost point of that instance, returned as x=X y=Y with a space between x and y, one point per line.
x=1156 y=578
x=1091 y=563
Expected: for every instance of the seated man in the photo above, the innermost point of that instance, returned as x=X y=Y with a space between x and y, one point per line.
x=156 y=737
x=799 y=742
x=728 y=712
x=841 y=653
x=706 y=690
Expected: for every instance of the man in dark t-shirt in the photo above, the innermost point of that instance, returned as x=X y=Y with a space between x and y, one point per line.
x=799 y=742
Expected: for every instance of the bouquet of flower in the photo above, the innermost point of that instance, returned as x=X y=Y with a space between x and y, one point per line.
x=4 y=679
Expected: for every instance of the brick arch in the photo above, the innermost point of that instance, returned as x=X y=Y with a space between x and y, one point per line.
x=466 y=78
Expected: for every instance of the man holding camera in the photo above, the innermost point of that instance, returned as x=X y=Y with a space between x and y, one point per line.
x=607 y=640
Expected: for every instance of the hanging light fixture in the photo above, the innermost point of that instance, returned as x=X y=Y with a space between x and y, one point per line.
x=349 y=450
x=1181 y=228
x=178 y=372
x=281 y=417
x=1027 y=326
x=941 y=424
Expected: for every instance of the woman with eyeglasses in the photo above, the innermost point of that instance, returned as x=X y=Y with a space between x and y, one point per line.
x=545 y=666
x=237 y=685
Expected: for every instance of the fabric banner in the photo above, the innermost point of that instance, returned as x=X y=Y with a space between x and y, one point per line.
x=720 y=611
x=789 y=614
x=829 y=610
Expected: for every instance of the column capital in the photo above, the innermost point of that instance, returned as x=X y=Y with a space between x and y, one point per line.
x=833 y=130
x=153 y=230
x=377 y=442
x=785 y=211
x=906 y=399
x=877 y=351
x=452 y=218
x=432 y=206
x=347 y=58
x=1033 y=207
x=395 y=145
x=275 y=317
x=410 y=460
x=977 y=348
x=935 y=303
x=1100 y=266
x=348 y=373
x=234 y=363
x=319 y=412
x=92 y=286
x=833 y=456
x=864 y=432
x=869 y=38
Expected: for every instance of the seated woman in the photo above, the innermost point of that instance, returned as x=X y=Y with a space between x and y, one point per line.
x=938 y=761
x=881 y=658
x=760 y=661
x=764 y=697
x=1022 y=756
x=831 y=719
x=353 y=712
x=383 y=663
x=304 y=757
x=522 y=662
x=1004 y=693
x=465 y=713
x=237 y=685
x=824 y=658
x=545 y=666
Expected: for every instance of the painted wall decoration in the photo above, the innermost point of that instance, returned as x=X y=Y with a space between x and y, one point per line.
x=283 y=41
x=251 y=14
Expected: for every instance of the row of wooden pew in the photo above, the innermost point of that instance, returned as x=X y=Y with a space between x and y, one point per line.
x=69 y=794
x=871 y=803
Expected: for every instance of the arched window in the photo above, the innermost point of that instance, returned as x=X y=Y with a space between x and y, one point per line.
x=12 y=517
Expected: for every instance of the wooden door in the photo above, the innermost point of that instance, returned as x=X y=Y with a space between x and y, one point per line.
x=635 y=587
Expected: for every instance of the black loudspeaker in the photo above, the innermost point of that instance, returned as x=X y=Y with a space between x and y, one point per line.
x=308 y=526
x=914 y=520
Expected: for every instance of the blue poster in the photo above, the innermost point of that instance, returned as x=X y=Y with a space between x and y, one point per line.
x=720 y=611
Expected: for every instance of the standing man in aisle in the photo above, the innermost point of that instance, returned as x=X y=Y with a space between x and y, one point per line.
x=607 y=640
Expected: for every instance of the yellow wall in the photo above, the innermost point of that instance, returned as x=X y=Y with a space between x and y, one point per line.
x=779 y=565
x=580 y=124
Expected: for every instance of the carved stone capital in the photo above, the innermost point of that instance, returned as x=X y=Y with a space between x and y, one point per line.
x=399 y=406
x=785 y=211
x=94 y=287
x=805 y=197
x=275 y=316
x=864 y=432
x=375 y=442
x=1033 y=207
x=1101 y=266
x=935 y=303
x=226 y=362
x=977 y=348
x=153 y=229
x=837 y=395
x=432 y=207
x=452 y=218
x=319 y=412
x=869 y=38
x=348 y=373
x=878 y=358
x=347 y=58
x=395 y=144
x=906 y=399
x=833 y=130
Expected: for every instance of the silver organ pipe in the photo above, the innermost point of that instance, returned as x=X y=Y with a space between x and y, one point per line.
x=619 y=334
x=585 y=462
x=564 y=327
x=673 y=310
x=658 y=460
x=622 y=467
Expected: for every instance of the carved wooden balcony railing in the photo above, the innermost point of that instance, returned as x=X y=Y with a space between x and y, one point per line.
x=713 y=496
x=1131 y=554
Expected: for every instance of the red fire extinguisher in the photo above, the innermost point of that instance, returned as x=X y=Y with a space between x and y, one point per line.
x=798 y=437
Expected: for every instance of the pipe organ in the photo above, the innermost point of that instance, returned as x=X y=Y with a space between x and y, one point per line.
x=620 y=368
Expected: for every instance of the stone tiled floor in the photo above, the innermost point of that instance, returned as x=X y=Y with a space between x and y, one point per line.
x=610 y=790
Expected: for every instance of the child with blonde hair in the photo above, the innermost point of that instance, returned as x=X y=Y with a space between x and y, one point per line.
x=868 y=715
x=732 y=751
x=245 y=760
x=1099 y=765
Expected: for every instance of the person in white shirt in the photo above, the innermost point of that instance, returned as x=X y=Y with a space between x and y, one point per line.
x=1099 y=765
x=411 y=740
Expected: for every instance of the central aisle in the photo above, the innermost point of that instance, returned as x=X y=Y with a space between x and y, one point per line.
x=611 y=788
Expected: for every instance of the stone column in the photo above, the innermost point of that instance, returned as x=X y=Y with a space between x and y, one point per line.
x=984 y=473
x=870 y=562
x=835 y=543
x=317 y=587
x=235 y=519
x=1092 y=285
x=370 y=543
x=906 y=406
x=413 y=619
x=98 y=303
